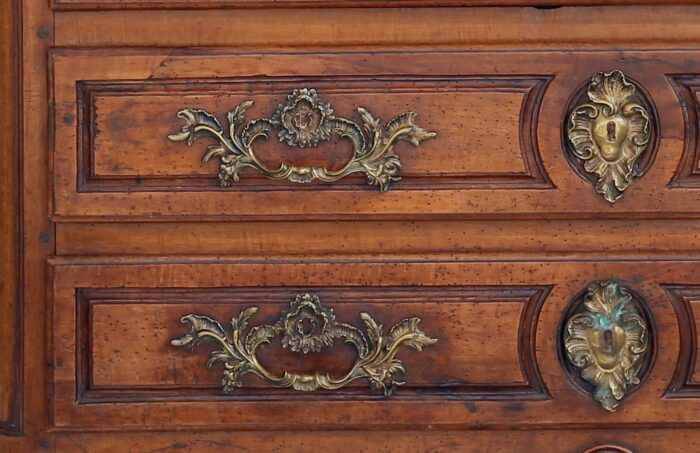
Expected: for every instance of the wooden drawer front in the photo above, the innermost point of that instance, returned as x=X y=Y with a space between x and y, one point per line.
x=496 y=362
x=500 y=120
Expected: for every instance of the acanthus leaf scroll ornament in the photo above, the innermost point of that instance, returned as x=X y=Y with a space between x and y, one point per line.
x=304 y=121
x=610 y=132
x=607 y=342
x=305 y=328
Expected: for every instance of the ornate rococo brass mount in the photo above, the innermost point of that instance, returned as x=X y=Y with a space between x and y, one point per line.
x=607 y=342
x=306 y=327
x=303 y=121
x=610 y=132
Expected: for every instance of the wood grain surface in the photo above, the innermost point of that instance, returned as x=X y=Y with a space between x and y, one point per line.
x=110 y=233
x=566 y=407
x=483 y=180
x=10 y=328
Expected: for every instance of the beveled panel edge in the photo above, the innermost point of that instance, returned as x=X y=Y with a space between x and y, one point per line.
x=95 y=5
x=682 y=384
x=532 y=87
x=686 y=87
x=532 y=389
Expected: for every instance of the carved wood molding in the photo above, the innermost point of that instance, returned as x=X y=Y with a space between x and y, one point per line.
x=685 y=300
x=91 y=180
x=529 y=387
x=687 y=88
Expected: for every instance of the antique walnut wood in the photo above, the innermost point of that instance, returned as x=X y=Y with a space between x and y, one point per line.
x=545 y=231
x=10 y=308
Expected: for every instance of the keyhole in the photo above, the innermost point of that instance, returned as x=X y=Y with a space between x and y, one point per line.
x=302 y=120
x=608 y=340
x=306 y=326
x=612 y=129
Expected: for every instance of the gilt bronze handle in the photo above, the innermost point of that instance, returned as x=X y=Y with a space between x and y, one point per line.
x=306 y=327
x=305 y=120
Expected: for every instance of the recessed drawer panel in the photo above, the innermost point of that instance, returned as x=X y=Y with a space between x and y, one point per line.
x=482 y=343
x=124 y=115
x=489 y=129
x=145 y=367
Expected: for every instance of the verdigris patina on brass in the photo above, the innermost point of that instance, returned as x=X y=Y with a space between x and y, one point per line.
x=607 y=342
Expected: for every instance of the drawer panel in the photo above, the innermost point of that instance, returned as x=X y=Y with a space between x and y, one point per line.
x=110 y=161
x=147 y=366
x=500 y=120
x=497 y=360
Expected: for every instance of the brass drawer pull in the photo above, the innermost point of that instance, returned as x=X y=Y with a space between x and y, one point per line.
x=607 y=340
x=306 y=327
x=609 y=132
x=304 y=121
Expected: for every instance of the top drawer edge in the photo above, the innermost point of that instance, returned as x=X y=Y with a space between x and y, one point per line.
x=99 y=5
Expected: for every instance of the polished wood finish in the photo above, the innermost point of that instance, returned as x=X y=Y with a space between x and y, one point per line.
x=112 y=232
x=568 y=28
x=11 y=328
x=457 y=367
x=121 y=148
x=472 y=406
x=512 y=140
x=521 y=239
